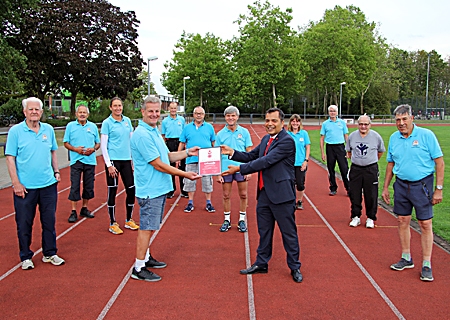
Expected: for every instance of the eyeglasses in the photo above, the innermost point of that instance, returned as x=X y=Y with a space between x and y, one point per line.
x=198 y=113
x=364 y=124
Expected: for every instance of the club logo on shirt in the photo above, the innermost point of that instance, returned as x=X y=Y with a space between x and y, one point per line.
x=44 y=137
x=179 y=123
x=239 y=136
x=362 y=148
x=88 y=129
x=415 y=143
x=301 y=139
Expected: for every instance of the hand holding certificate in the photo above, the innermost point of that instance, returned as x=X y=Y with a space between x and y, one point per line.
x=209 y=161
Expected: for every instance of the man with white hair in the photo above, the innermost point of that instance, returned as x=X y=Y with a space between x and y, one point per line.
x=82 y=140
x=33 y=167
x=334 y=133
x=365 y=147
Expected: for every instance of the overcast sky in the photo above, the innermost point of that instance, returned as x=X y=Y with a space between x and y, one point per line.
x=408 y=25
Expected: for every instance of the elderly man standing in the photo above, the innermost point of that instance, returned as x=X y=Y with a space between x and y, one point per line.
x=334 y=133
x=33 y=167
x=414 y=155
x=171 y=128
x=197 y=133
x=365 y=147
x=82 y=140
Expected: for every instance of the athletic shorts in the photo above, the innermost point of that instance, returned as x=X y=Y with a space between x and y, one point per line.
x=300 y=177
x=151 y=212
x=238 y=177
x=190 y=185
x=417 y=195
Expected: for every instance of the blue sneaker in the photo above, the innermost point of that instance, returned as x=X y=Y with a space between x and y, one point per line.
x=189 y=208
x=426 y=274
x=210 y=208
x=402 y=264
x=241 y=226
x=225 y=226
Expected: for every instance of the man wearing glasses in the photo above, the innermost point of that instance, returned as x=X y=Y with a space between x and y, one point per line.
x=365 y=147
x=414 y=155
x=197 y=133
x=334 y=133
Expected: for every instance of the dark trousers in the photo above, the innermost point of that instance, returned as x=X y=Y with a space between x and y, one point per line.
x=88 y=172
x=364 y=180
x=284 y=214
x=172 y=145
x=336 y=153
x=46 y=199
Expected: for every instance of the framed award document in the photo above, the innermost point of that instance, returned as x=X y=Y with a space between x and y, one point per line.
x=209 y=161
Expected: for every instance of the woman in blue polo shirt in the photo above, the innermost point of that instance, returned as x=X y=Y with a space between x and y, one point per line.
x=115 y=143
x=302 y=149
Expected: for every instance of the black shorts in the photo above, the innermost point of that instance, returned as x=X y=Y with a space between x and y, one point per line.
x=88 y=171
x=300 y=177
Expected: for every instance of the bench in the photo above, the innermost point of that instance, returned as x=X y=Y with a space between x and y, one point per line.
x=349 y=121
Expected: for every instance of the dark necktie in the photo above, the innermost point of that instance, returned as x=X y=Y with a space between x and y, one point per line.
x=261 y=182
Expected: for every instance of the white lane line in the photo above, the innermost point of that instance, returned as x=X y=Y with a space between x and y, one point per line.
x=127 y=276
x=3 y=276
x=360 y=266
x=60 y=191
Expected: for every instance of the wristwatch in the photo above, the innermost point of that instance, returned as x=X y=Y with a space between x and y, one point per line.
x=439 y=187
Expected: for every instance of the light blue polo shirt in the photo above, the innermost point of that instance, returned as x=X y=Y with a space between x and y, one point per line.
x=414 y=156
x=118 y=133
x=147 y=144
x=334 y=131
x=201 y=136
x=33 y=154
x=301 y=139
x=238 y=140
x=82 y=135
x=172 y=128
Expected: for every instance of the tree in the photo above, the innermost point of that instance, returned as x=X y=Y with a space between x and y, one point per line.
x=266 y=57
x=204 y=60
x=84 y=46
x=342 y=46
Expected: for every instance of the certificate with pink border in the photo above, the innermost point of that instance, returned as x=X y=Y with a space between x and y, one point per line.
x=209 y=161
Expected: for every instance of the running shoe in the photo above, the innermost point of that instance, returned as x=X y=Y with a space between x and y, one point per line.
x=144 y=275
x=241 y=226
x=370 y=223
x=115 y=229
x=130 y=224
x=356 y=221
x=426 y=274
x=402 y=264
x=54 y=260
x=299 y=205
x=27 y=264
x=153 y=263
x=189 y=208
x=84 y=212
x=210 y=208
x=225 y=226
x=73 y=217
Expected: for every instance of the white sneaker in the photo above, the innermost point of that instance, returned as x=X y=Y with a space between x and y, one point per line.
x=54 y=260
x=27 y=264
x=355 y=222
x=370 y=224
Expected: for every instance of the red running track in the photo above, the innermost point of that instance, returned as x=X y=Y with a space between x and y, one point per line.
x=346 y=270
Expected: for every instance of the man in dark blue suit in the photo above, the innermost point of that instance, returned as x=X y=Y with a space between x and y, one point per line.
x=273 y=159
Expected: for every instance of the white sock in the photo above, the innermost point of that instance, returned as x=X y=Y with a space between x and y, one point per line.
x=227 y=216
x=139 y=264
x=242 y=216
x=147 y=255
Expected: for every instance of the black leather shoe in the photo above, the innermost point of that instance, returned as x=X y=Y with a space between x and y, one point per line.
x=297 y=275
x=73 y=217
x=254 y=269
x=84 y=212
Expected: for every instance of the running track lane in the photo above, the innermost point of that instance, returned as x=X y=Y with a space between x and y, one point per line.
x=203 y=281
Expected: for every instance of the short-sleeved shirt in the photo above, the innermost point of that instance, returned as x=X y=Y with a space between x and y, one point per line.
x=147 y=144
x=365 y=149
x=301 y=139
x=334 y=131
x=172 y=128
x=33 y=154
x=238 y=140
x=82 y=135
x=413 y=157
x=202 y=136
x=118 y=133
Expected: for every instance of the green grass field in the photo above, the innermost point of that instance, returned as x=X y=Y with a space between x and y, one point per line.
x=441 y=221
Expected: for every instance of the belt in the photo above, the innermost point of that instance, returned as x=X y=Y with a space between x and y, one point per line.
x=413 y=182
x=172 y=139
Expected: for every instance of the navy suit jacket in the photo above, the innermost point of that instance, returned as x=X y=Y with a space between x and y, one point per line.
x=277 y=166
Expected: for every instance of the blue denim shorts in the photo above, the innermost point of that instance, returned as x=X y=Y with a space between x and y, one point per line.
x=416 y=194
x=151 y=212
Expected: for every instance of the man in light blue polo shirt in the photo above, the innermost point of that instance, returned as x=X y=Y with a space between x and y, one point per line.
x=33 y=167
x=171 y=128
x=414 y=155
x=82 y=140
x=153 y=181
x=197 y=133
x=334 y=133
x=238 y=138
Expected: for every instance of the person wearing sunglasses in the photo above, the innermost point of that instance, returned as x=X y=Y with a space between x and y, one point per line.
x=365 y=147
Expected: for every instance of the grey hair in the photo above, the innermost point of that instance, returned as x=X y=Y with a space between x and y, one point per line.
x=364 y=115
x=150 y=99
x=333 y=107
x=402 y=109
x=82 y=105
x=231 y=110
x=31 y=99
